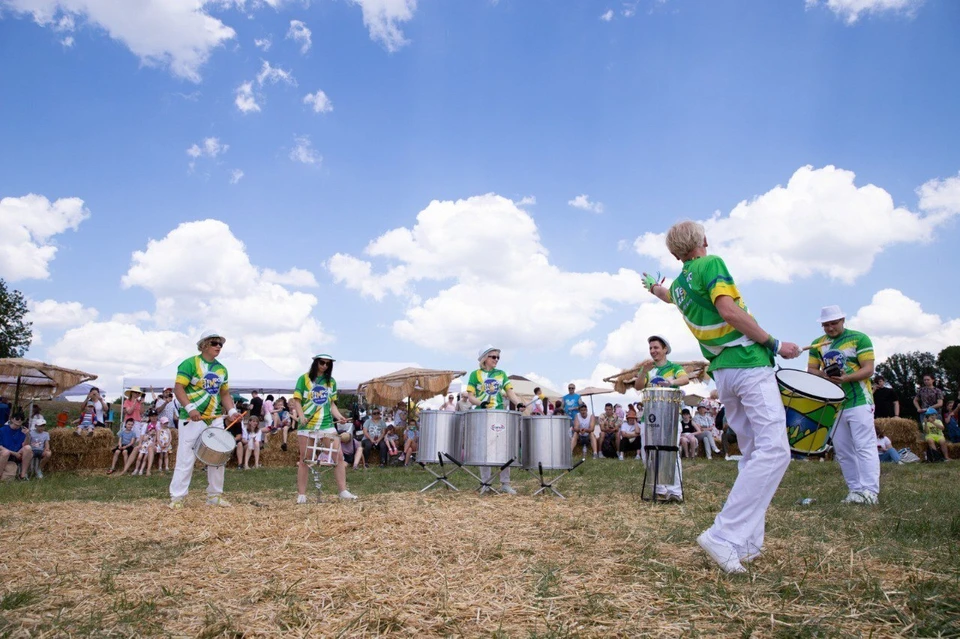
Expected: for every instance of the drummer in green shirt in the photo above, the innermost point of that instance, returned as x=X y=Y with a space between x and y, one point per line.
x=486 y=388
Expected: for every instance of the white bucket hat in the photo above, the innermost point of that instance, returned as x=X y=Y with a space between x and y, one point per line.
x=831 y=314
x=661 y=339
x=208 y=335
x=486 y=351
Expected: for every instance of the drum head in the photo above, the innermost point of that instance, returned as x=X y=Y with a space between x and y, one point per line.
x=810 y=385
x=218 y=439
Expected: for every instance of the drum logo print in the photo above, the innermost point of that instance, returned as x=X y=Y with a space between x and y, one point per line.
x=656 y=381
x=491 y=387
x=652 y=420
x=498 y=428
x=834 y=358
x=210 y=383
x=319 y=395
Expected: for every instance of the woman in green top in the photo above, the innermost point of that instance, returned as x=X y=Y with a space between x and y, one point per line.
x=314 y=408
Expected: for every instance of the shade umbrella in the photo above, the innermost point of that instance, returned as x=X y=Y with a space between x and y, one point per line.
x=413 y=384
x=32 y=379
x=590 y=391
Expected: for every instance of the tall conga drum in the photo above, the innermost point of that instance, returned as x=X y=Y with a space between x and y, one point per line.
x=661 y=435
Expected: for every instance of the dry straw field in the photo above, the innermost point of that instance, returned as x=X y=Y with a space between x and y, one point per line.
x=88 y=555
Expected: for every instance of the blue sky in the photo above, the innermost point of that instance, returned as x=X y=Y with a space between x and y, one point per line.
x=473 y=172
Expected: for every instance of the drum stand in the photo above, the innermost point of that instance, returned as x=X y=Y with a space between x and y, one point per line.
x=440 y=478
x=488 y=485
x=655 y=461
x=545 y=485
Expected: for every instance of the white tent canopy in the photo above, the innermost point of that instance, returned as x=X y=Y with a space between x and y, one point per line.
x=244 y=375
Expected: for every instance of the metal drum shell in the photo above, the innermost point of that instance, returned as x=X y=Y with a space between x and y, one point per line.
x=490 y=437
x=661 y=427
x=208 y=454
x=440 y=432
x=545 y=440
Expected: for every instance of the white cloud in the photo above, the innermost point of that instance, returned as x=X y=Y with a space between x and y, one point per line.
x=583 y=203
x=627 y=344
x=263 y=44
x=383 y=18
x=177 y=34
x=235 y=176
x=59 y=314
x=851 y=10
x=527 y=200
x=299 y=32
x=896 y=323
x=245 y=100
x=607 y=16
x=799 y=230
x=67 y=42
x=630 y=9
x=210 y=148
x=296 y=277
x=272 y=75
x=583 y=348
x=27 y=227
x=319 y=101
x=504 y=295
x=304 y=152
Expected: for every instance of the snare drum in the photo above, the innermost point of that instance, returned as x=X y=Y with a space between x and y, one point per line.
x=214 y=446
x=545 y=440
x=812 y=404
x=323 y=449
x=491 y=437
x=440 y=432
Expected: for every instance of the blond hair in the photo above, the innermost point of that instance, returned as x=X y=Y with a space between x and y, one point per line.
x=684 y=237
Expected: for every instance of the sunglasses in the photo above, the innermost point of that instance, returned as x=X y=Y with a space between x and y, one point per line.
x=216 y=344
x=497 y=357
x=324 y=362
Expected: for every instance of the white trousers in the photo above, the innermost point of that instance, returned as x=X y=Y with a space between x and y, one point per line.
x=755 y=412
x=855 y=443
x=183 y=472
x=486 y=471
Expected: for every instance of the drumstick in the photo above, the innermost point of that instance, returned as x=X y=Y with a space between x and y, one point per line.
x=236 y=419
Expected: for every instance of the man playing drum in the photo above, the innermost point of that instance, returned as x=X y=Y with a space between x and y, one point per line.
x=845 y=357
x=201 y=388
x=486 y=387
x=662 y=372
x=741 y=356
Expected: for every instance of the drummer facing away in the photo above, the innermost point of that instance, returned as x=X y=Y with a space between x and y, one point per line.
x=845 y=357
x=202 y=390
x=486 y=387
x=741 y=356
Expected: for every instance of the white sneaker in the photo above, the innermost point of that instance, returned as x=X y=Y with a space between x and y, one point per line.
x=721 y=552
x=620 y=456
x=176 y=504
x=508 y=489
x=862 y=497
x=301 y=499
x=596 y=455
x=39 y=474
x=734 y=457
x=346 y=495
x=217 y=500
x=638 y=458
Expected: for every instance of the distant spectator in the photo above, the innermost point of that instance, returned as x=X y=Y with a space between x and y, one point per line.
x=373 y=431
x=126 y=439
x=35 y=415
x=87 y=420
x=951 y=416
x=133 y=406
x=581 y=431
x=609 y=425
x=351 y=452
x=933 y=432
x=40 y=446
x=618 y=411
x=928 y=396
x=885 y=400
x=236 y=429
x=536 y=406
x=146 y=446
x=411 y=441
x=169 y=407
x=558 y=407
x=256 y=404
x=885 y=448
x=707 y=435
x=689 y=430
x=629 y=439
x=14 y=445
x=267 y=418
x=100 y=407
x=4 y=412
x=252 y=438
x=463 y=403
x=392 y=439
x=450 y=404
x=164 y=443
x=571 y=401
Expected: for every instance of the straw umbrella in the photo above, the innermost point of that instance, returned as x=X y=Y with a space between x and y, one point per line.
x=590 y=391
x=32 y=379
x=412 y=384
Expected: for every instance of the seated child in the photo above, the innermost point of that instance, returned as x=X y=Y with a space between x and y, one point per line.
x=933 y=432
x=411 y=438
x=164 y=440
x=145 y=455
x=87 y=421
x=125 y=441
x=40 y=444
x=391 y=439
x=252 y=438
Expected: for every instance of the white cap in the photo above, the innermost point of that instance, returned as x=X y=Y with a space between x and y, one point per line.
x=164 y=420
x=831 y=314
x=324 y=356
x=208 y=335
x=661 y=339
x=486 y=351
x=40 y=420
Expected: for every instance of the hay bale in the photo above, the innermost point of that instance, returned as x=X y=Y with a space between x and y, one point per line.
x=67 y=441
x=902 y=432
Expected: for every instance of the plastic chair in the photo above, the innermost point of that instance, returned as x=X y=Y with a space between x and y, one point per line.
x=62 y=419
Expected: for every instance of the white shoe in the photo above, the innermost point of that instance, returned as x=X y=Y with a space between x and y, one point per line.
x=721 y=552
x=620 y=456
x=346 y=495
x=861 y=497
x=301 y=499
x=39 y=474
x=638 y=458
x=734 y=457
x=508 y=489
x=176 y=504
x=217 y=500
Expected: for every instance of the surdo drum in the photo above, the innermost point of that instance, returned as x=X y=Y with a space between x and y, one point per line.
x=214 y=446
x=491 y=437
x=545 y=442
x=813 y=405
x=440 y=432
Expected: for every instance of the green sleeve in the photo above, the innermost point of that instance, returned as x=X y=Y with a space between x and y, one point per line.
x=301 y=389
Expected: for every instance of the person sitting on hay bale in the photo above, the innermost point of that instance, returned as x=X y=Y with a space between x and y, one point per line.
x=392 y=440
x=689 y=431
x=933 y=434
x=87 y=421
x=14 y=445
x=605 y=444
x=411 y=441
x=164 y=441
x=252 y=437
x=628 y=439
x=147 y=445
x=885 y=447
x=126 y=439
x=40 y=446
